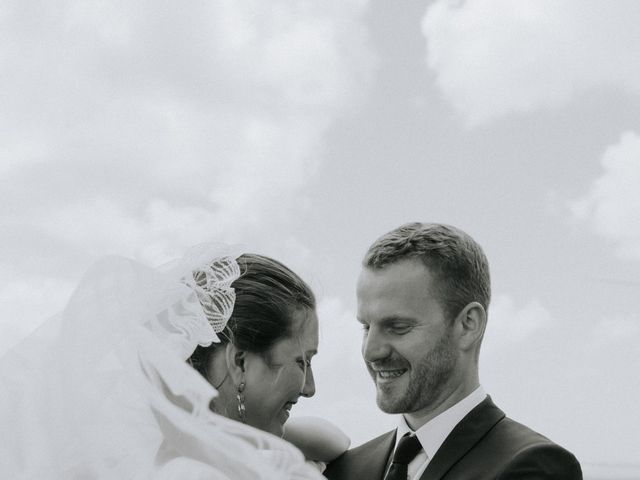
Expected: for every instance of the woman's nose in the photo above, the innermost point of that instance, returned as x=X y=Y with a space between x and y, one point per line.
x=309 y=387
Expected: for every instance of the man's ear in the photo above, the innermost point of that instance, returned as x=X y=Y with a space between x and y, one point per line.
x=470 y=323
x=235 y=359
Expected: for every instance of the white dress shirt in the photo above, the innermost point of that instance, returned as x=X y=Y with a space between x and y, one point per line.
x=433 y=433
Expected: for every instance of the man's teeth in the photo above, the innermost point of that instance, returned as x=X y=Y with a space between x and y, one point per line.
x=390 y=373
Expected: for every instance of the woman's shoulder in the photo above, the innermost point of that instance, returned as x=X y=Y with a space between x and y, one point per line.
x=319 y=440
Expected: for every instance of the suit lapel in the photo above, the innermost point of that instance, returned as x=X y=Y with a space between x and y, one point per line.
x=462 y=438
x=364 y=462
x=375 y=460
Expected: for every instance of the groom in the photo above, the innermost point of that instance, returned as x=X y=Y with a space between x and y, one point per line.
x=423 y=295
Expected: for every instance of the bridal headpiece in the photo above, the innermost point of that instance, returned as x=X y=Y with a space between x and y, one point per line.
x=204 y=302
x=212 y=285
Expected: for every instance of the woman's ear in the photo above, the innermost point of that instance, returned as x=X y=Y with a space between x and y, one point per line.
x=471 y=321
x=235 y=359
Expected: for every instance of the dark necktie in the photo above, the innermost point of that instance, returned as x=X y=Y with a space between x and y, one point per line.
x=407 y=449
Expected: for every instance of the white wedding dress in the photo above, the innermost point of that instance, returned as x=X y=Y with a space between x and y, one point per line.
x=102 y=390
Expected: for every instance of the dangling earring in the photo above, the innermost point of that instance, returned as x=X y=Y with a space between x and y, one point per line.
x=240 y=398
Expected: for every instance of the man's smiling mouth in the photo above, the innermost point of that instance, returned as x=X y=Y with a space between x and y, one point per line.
x=389 y=374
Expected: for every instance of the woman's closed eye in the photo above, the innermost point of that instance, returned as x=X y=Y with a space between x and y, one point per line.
x=304 y=363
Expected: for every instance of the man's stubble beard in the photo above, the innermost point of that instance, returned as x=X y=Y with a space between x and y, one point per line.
x=427 y=382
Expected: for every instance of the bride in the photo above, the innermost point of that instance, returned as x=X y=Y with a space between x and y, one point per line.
x=102 y=390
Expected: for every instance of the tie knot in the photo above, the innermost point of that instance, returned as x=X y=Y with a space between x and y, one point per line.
x=407 y=449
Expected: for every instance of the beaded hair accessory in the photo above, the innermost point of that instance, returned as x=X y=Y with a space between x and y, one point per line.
x=197 y=307
x=212 y=285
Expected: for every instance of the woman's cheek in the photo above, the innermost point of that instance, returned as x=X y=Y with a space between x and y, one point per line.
x=293 y=379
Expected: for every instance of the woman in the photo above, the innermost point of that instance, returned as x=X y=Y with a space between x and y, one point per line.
x=102 y=390
x=262 y=364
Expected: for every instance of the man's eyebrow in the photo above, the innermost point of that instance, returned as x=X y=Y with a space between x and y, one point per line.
x=390 y=319
x=397 y=318
x=393 y=319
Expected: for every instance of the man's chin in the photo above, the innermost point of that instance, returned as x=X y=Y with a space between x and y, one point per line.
x=389 y=405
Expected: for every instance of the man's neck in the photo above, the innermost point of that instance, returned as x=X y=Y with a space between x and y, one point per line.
x=417 y=419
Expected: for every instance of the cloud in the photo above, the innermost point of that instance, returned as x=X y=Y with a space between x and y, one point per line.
x=509 y=325
x=611 y=207
x=140 y=129
x=614 y=330
x=139 y=113
x=493 y=57
x=577 y=365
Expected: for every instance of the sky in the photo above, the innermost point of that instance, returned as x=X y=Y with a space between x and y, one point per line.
x=304 y=130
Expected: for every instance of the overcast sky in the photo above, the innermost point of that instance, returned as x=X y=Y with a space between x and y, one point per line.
x=304 y=130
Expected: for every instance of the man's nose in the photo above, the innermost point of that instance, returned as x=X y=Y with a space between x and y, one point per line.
x=374 y=346
x=309 y=387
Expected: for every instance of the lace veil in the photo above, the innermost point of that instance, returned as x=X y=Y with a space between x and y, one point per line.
x=102 y=389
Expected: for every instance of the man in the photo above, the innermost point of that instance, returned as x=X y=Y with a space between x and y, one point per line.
x=423 y=295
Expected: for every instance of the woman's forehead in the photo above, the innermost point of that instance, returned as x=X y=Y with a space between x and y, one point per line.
x=303 y=338
x=303 y=321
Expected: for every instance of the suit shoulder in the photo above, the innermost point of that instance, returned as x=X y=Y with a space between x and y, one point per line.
x=362 y=460
x=510 y=450
x=519 y=435
x=548 y=460
x=532 y=450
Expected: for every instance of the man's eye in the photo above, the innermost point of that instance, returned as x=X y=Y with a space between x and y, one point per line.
x=365 y=327
x=400 y=329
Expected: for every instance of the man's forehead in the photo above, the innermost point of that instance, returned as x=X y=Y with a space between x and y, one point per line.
x=402 y=291
x=410 y=273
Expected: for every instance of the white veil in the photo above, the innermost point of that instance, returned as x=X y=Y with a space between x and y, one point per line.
x=102 y=390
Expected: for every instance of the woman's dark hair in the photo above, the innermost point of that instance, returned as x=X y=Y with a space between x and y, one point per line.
x=267 y=295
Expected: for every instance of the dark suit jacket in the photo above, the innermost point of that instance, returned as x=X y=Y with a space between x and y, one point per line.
x=484 y=445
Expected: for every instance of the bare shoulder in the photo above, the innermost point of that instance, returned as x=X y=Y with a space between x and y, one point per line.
x=319 y=439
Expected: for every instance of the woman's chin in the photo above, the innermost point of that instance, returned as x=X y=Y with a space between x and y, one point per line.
x=274 y=425
x=276 y=428
x=279 y=431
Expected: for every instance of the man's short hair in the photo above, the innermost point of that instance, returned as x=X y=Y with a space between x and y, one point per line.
x=459 y=266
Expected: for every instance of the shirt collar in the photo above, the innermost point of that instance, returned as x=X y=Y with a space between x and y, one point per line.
x=433 y=433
